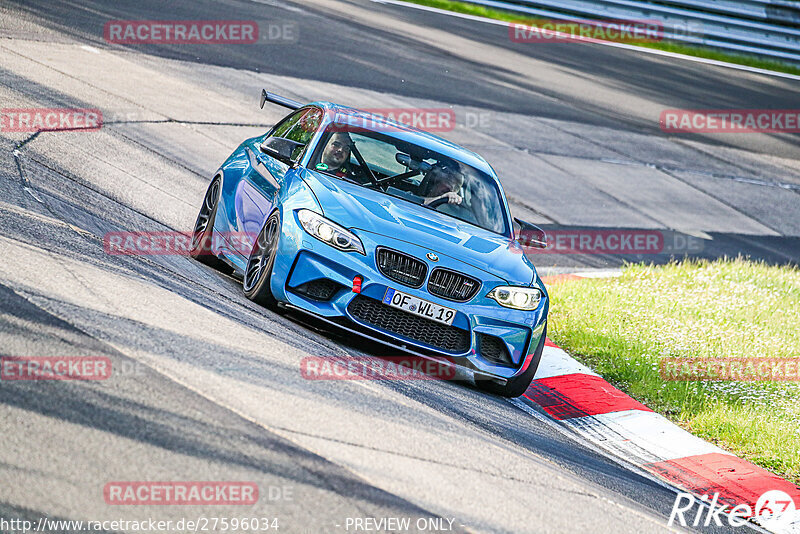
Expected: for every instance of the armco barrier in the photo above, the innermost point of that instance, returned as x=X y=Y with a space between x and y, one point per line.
x=760 y=27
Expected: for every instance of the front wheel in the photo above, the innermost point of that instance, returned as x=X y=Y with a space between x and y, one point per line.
x=517 y=385
x=258 y=273
x=201 y=247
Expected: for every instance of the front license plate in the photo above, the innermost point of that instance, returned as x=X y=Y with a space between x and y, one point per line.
x=417 y=306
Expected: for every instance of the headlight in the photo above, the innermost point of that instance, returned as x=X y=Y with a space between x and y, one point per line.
x=519 y=298
x=329 y=232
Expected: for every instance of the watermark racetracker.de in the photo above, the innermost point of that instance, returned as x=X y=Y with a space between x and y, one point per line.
x=383 y=119
x=55 y=368
x=170 y=243
x=180 y=493
x=50 y=119
x=394 y=119
x=617 y=241
x=28 y=368
x=726 y=369
x=584 y=30
x=730 y=120
x=135 y=32
x=369 y=368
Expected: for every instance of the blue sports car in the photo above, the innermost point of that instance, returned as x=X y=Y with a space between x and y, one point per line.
x=384 y=230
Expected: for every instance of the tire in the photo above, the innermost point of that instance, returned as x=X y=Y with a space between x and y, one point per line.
x=258 y=272
x=518 y=385
x=202 y=236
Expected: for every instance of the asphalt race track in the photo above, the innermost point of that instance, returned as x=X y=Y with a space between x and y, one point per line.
x=206 y=385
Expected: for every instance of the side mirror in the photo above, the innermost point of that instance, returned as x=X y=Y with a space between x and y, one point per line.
x=282 y=149
x=529 y=235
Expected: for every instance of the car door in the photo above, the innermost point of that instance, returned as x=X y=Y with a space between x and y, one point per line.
x=266 y=175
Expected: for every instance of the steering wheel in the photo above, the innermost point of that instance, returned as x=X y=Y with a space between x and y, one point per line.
x=438 y=202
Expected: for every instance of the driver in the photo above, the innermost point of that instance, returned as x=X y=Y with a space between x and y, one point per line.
x=336 y=155
x=445 y=181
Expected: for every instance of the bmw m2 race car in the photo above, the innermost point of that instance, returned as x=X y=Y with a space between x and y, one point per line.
x=386 y=231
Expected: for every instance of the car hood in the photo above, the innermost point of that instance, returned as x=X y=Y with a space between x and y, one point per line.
x=361 y=208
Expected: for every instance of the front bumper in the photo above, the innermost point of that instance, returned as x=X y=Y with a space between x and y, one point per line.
x=482 y=329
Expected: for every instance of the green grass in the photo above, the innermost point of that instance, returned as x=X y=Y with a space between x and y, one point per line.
x=622 y=328
x=689 y=50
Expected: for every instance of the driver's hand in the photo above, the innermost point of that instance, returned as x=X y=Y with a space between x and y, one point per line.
x=452 y=198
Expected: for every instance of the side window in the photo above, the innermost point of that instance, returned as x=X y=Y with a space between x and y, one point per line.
x=305 y=128
x=286 y=124
x=300 y=127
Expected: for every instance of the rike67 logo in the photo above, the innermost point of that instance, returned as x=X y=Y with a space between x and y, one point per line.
x=774 y=510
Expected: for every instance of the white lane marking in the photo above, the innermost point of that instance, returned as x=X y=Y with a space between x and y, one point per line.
x=556 y=362
x=624 y=46
x=31 y=193
x=91 y=49
x=641 y=437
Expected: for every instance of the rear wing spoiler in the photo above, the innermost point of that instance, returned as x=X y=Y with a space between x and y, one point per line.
x=280 y=100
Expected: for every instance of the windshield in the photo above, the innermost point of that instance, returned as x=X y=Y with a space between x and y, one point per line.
x=416 y=174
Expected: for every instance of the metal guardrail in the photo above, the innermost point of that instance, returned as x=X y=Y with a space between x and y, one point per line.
x=770 y=29
x=775 y=11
